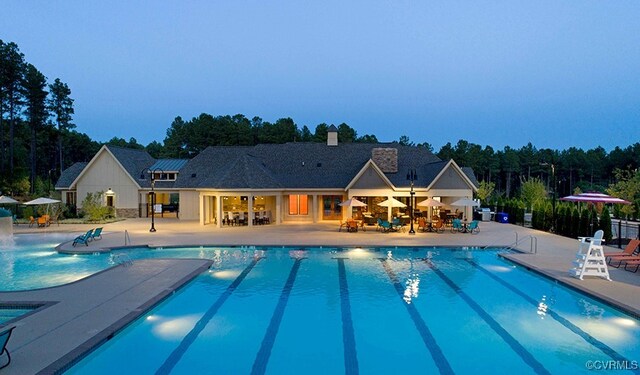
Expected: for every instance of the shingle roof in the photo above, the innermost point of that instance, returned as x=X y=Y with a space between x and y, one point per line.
x=134 y=162
x=70 y=174
x=294 y=165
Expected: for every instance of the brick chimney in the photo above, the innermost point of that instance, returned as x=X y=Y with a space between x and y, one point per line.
x=386 y=159
x=332 y=136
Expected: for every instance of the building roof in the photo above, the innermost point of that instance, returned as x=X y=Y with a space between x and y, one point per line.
x=295 y=166
x=70 y=174
x=169 y=165
x=134 y=162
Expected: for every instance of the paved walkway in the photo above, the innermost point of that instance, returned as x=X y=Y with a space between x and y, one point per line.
x=553 y=258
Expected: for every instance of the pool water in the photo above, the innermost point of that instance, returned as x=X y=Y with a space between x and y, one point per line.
x=369 y=311
x=7 y=314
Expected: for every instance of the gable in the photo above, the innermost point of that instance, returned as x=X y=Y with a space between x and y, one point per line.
x=104 y=170
x=450 y=178
x=370 y=179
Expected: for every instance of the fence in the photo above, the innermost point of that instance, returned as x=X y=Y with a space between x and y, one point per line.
x=624 y=230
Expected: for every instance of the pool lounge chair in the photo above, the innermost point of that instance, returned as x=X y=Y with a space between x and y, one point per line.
x=456 y=226
x=629 y=250
x=85 y=238
x=473 y=227
x=97 y=234
x=622 y=260
x=4 y=339
x=384 y=225
x=632 y=263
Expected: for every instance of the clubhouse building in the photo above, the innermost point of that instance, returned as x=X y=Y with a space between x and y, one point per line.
x=268 y=183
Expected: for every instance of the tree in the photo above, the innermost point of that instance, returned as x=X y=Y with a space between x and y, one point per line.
x=61 y=106
x=305 y=134
x=485 y=190
x=36 y=111
x=320 y=134
x=605 y=225
x=627 y=187
x=367 y=138
x=532 y=191
x=11 y=77
x=405 y=141
x=346 y=134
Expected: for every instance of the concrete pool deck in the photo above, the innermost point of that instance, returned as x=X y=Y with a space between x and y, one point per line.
x=72 y=324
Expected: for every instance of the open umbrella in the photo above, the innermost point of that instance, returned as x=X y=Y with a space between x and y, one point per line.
x=430 y=202
x=7 y=200
x=392 y=203
x=465 y=202
x=594 y=198
x=353 y=203
x=43 y=200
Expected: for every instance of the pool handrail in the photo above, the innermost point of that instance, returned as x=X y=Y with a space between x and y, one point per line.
x=4 y=339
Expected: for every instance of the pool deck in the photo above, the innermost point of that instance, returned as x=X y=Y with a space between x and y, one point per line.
x=109 y=300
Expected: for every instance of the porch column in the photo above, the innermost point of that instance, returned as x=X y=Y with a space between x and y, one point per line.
x=278 y=209
x=219 y=211
x=250 y=213
x=201 y=210
x=314 y=208
x=389 y=209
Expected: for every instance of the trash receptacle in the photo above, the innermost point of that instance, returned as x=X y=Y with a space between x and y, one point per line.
x=503 y=217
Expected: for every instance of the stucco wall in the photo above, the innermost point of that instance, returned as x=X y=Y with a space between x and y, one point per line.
x=105 y=173
x=189 y=201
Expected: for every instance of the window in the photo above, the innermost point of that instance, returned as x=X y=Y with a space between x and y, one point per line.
x=298 y=205
x=71 y=198
x=165 y=176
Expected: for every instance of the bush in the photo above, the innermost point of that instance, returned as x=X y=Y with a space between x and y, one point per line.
x=575 y=223
x=585 y=220
x=94 y=209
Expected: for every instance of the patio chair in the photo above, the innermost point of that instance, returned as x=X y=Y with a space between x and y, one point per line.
x=456 y=226
x=352 y=226
x=343 y=224
x=422 y=224
x=85 y=238
x=397 y=225
x=632 y=263
x=31 y=221
x=241 y=218
x=15 y=219
x=438 y=226
x=383 y=225
x=473 y=227
x=4 y=339
x=97 y=234
x=622 y=260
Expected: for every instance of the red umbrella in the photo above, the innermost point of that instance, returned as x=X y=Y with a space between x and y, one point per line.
x=594 y=198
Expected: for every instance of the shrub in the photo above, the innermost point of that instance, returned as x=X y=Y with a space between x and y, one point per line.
x=575 y=222
x=605 y=225
x=94 y=208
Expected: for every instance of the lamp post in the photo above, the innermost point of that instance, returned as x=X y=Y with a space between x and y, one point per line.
x=411 y=176
x=152 y=176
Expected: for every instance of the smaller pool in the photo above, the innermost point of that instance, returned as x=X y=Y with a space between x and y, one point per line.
x=11 y=313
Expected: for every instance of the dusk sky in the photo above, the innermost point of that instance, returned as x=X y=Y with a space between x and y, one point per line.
x=554 y=73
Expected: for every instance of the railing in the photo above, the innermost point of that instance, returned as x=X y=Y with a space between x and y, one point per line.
x=626 y=229
x=121 y=259
x=533 y=243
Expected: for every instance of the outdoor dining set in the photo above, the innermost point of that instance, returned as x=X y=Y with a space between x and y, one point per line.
x=242 y=218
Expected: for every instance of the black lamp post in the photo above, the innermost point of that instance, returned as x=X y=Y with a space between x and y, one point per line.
x=152 y=176
x=411 y=176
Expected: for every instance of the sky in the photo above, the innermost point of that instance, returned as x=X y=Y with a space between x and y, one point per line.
x=502 y=73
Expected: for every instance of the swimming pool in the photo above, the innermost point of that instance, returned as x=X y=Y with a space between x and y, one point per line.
x=7 y=314
x=370 y=311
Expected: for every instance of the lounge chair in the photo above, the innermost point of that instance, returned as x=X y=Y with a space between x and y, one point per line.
x=629 y=250
x=438 y=226
x=352 y=226
x=473 y=227
x=632 y=263
x=422 y=224
x=31 y=221
x=384 y=225
x=622 y=260
x=4 y=339
x=343 y=224
x=85 y=238
x=397 y=225
x=97 y=234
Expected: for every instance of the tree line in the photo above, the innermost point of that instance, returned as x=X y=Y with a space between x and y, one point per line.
x=38 y=140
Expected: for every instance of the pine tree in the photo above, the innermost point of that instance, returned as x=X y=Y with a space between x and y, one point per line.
x=35 y=111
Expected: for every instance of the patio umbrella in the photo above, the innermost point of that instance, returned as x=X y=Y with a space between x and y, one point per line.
x=594 y=198
x=7 y=200
x=43 y=200
x=430 y=202
x=465 y=202
x=353 y=203
x=392 y=203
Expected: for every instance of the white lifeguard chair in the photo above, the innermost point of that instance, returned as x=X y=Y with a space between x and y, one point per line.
x=590 y=258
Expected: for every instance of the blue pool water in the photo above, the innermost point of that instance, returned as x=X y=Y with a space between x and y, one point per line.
x=369 y=311
x=7 y=314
